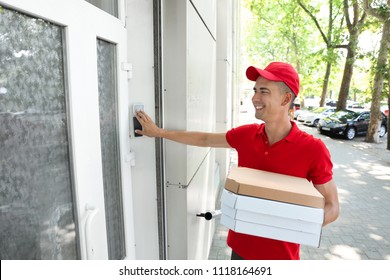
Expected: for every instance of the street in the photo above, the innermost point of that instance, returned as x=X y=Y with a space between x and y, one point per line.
x=362 y=175
x=362 y=231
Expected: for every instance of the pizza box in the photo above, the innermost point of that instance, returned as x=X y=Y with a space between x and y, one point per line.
x=272 y=219
x=271 y=232
x=272 y=207
x=273 y=186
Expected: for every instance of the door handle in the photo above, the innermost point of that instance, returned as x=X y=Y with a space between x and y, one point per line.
x=91 y=213
x=209 y=215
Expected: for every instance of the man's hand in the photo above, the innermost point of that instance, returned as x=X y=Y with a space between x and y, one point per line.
x=149 y=128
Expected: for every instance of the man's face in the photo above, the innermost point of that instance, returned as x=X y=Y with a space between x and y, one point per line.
x=268 y=101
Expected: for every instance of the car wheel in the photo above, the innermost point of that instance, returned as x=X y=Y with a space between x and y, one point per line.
x=350 y=133
x=382 y=131
x=315 y=123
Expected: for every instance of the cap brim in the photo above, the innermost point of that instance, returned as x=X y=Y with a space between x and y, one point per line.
x=252 y=73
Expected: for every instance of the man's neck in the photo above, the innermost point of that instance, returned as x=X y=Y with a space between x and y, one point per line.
x=277 y=131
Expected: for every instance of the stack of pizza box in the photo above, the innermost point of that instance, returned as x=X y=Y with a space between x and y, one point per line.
x=273 y=206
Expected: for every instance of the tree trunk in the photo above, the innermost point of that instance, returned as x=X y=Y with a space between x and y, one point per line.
x=376 y=115
x=348 y=72
x=388 y=102
x=388 y=117
x=325 y=84
x=354 y=28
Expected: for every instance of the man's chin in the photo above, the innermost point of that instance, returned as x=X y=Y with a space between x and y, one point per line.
x=259 y=116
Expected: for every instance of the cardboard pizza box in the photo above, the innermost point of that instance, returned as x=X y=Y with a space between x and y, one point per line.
x=272 y=219
x=275 y=213
x=269 y=231
x=273 y=186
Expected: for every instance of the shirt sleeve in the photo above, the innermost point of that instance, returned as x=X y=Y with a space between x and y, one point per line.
x=231 y=137
x=320 y=170
x=237 y=135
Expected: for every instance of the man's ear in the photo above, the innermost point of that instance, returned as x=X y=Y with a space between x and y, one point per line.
x=287 y=98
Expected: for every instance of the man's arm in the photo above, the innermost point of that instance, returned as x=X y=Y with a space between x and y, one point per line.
x=201 y=139
x=329 y=192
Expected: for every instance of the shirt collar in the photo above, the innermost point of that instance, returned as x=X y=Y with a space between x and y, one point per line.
x=294 y=132
x=291 y=137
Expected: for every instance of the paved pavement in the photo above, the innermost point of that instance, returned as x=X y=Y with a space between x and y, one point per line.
x=362 y=175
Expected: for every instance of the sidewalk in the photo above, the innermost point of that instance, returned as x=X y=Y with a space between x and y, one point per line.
x=362 y=232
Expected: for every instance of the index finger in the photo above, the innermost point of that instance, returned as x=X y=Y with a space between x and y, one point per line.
x=143 y=116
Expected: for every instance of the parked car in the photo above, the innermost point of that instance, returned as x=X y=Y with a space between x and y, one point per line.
x=349 y=123
x=303 y=111
x=354 y=105
x=297 y=113
x=311 y=118
x=331 y=103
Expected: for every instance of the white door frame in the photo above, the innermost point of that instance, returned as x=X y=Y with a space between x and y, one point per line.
x=83 y=24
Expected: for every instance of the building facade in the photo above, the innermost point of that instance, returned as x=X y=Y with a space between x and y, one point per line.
x=75 y=181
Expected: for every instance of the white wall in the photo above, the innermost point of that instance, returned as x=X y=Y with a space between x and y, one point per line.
x=189 y=104
x=224 y=77
x=207 y=10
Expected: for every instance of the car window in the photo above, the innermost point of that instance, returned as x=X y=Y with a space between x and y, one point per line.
x=365 y=116
x=349 y=115
x=319 y=110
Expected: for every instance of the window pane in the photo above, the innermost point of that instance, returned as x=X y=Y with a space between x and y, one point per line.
x=36 y=205
x=110 y=6
x=110 y=149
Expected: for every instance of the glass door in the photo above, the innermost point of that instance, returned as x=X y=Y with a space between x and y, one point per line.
x=36 y=203
x=62 y=130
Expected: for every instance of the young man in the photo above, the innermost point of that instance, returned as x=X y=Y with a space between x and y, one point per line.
x=277 y=145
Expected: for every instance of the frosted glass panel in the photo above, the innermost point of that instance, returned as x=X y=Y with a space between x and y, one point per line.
x=110 y=6
x=110 y=149
x=36 y=205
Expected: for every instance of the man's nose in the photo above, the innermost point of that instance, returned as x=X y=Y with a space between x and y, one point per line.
x=256 y=96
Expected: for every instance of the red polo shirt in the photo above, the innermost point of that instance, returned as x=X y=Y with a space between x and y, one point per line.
x=300 y=155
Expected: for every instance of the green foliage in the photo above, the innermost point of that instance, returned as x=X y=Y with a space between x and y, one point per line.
x=279 y=31
x=282 y=30
x=383 y=10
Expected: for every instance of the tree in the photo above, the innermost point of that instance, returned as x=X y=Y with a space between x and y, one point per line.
x=330 y=39
x=381 y=12
x=280 y=31
x=388 y=107
x=354 y=29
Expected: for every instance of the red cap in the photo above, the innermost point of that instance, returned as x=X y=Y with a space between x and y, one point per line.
x=278 y=72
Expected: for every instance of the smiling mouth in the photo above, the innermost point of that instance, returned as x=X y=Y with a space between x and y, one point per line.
x=259 y=107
